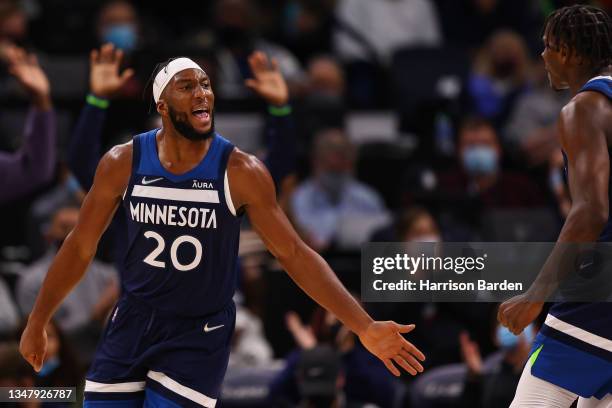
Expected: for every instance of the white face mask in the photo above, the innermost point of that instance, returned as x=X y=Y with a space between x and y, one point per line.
x=426 y=238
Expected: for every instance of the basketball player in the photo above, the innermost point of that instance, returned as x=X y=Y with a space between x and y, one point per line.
x=572 y=354
x=184 y=189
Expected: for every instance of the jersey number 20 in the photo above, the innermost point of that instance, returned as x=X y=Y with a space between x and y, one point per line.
x=161 y=245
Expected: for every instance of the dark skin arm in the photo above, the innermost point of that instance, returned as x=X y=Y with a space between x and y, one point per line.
x=252 y=190
x=582 y=128
x=79 y=248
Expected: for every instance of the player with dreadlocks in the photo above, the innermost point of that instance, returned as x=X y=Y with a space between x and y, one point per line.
x=572 y=354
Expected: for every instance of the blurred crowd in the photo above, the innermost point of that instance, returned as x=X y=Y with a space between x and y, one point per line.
x=380 y=120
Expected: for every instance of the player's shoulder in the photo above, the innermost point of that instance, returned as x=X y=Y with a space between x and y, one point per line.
x=116 y=164
x=586 y=104
x=244 y=164
x=249 y=178
x=119 y=156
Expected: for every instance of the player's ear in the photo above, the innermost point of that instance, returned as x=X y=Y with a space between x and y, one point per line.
x=162 y=107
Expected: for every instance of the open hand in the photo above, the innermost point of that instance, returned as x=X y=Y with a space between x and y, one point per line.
x=25 y=68
x=518 y=312
x=385 y=341
x=33 y=346
x=267 y=81
x=471 y=354
x=104 y=77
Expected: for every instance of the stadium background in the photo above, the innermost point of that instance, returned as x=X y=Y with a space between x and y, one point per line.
x=410 y=120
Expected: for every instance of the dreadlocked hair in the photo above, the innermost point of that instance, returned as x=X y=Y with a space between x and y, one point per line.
x=585 y=30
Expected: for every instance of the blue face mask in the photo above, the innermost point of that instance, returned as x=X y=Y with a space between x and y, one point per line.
x=507 y=340
x=122 y=36
x=480 y=160
x=49 y=366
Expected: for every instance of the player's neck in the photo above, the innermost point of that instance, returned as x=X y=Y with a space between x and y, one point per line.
x=578 y=78
x=176 y=151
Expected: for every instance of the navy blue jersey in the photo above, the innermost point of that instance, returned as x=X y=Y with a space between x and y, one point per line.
x=587 y=326
x=182 y=232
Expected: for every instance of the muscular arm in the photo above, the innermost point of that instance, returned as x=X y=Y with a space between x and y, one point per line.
x=583 y=138
x=79 y=247
x=252 y=189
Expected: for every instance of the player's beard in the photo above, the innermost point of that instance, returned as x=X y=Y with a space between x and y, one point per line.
x=184 y=127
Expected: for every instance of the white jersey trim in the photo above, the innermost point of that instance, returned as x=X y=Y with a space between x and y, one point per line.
x=176 y=194
x=578 y=333
x=181 y=390
x=228 y=194
x=93 y=386
x=600 y=77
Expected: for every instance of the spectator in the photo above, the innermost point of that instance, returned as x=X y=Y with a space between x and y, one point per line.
x=13 y=23
x=496 y=387
x=468 y=23
x=332 y=207
x=118 y=24
x=31 y=166
x=414 y=224
x=307 y=26
x=481 y=183
x=369 y=32
x=249 y=345
x=320 y=378
x=9 y=314
x=354 y=375
x=500 y=75
x=94 y=296
x=532 y=125
x=323 y=105
x=384 y=26
x=236 y=32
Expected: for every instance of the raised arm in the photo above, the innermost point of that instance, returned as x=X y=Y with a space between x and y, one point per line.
x=34 y=163
x=268 y=83
x=78 y=249
x=583 y=137
x=105 y=80
x=252 y=190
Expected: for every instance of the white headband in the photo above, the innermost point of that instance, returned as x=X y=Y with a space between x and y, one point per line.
x=165 y=75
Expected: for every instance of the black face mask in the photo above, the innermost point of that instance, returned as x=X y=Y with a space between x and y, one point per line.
x=188 y=131
x=505 y=68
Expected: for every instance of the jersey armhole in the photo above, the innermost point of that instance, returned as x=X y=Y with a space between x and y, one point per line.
x=228 y=194
x=136 y=152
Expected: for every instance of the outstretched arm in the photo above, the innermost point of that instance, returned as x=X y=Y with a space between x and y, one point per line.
x=583 y=138
x=252 y=189
x=78 y=249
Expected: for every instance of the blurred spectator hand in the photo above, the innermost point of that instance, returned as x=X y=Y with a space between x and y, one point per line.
x=25 y=68
x=471 y=354
x=267 y=81
x=302 y=334
x=105 y=81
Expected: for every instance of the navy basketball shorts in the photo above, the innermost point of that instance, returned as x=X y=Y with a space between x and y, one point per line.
x=150 y=359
